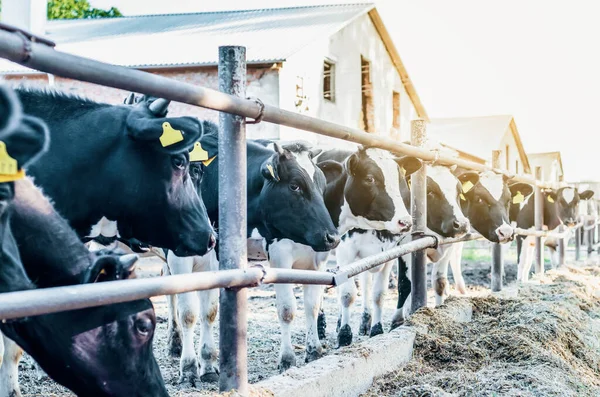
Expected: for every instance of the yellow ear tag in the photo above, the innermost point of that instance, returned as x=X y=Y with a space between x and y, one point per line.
x=519 y=198
x=207 y=162
x=462 y=197
x=468 y=185
x=403 y=171
x=9 y=171
x=270 y=168
x=198 y=154
x=170 y=135
x=550 y=199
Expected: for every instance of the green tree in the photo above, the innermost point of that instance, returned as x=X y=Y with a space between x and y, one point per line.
x=77 y=9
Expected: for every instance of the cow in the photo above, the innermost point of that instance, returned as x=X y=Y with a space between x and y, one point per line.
x=561 y=207
x=97 y=351
x=283 y=203
x=120 y=171
x=365 y=196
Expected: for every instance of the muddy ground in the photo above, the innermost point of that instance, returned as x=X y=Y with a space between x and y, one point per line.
x=263 y=328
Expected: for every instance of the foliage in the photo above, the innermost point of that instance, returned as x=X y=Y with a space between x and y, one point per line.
x=77 y=9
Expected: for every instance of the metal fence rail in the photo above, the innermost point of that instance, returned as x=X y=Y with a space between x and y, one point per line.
x=234 y=275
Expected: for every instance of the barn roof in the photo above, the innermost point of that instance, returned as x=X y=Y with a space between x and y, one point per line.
x=476 y=136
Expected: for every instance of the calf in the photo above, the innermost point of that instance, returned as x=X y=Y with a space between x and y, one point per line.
x=284 y=203
x=365 y=196
x=99 y=149
x=97 y=351
x=560 y=208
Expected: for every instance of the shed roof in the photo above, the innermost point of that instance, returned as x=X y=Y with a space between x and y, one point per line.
x=476 y=137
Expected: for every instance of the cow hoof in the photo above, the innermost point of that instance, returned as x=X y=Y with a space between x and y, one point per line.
x=210 y=377
x=313 y=353
x=339 y=324
x=365 y=324
x=287 y=361
x=322 y=326
x=345 y=336
x=396 y=322
x=189 y=373
x=461 y=288
x=376 y=330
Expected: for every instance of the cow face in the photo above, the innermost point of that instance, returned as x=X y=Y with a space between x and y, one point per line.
x=179 y=220
x=292 y=200
x=563 y=204
x=374 y=190
x=444 y=190
x=487 y=205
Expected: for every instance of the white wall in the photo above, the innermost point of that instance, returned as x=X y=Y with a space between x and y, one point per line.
x=345 y=49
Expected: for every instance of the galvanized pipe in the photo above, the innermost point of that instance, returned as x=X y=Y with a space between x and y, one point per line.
x=561 y=247
x=539 y=223
x=497 y=254
x=590 y=247
x=545 y=233
x=418 y=199
x=453 y=240
x=233 y=249
x=292 y=276
x=46 y=59
x=578 y=234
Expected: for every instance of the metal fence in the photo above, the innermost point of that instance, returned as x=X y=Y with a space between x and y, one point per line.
x=234 y=275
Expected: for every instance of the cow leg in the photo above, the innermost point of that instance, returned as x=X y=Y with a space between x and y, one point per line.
x=209 y=306
x=404 y=288
x=347 y=296
x=321 y=320
x=439 y=275
x=173 y=329
x=312 y=302
x=188 y=309
x=526 y=258
x=366 y=281
x=380 y=286
x=456 y=266
x=9 y=371
x=286 y=311
x=553 y=257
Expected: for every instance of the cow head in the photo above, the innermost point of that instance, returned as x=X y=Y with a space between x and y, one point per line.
x=487 y=205
x=444 y=190
x=563 y=204
x=175 y=217
x=374 y=183
x=292 y=200
x=101 y=351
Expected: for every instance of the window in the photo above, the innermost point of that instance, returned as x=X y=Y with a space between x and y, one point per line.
x=367 y=110
x=507 y=157
x=329 y=81
x=517 y=167
x=396 y=110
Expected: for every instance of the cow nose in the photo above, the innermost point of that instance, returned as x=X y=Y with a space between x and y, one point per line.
x=461 y=225
x=504 y=233
x=332 y=240
x=405 y=225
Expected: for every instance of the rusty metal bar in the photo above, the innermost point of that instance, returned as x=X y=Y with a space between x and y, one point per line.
x=539 y=223
x=418 y=199
x=46 y=59
x=497 y=254
x=233 y=344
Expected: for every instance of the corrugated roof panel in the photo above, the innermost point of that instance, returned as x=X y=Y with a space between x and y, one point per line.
x=193 y=39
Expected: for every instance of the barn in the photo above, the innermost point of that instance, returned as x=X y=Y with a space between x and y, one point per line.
x=334 y=62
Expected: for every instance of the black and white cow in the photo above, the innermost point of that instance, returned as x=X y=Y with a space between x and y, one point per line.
x=365 y=196
x=561 y=207
x=104 y=351
x=284 y=204
x=121 y=171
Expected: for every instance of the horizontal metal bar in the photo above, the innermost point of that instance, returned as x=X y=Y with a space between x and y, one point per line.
x=52 y=300
x=468 y=237
x=291 y=276
x=545 y=233
x=48 y=60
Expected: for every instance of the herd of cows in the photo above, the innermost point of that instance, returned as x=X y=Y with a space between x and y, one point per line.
x=129 y=173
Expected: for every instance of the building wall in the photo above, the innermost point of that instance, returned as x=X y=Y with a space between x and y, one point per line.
x=345 y=49
x=513 y=153
x=262 y=82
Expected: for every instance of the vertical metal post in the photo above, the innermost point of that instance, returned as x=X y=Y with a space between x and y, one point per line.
x=539 y=222
x=561 y=247
x=232 y=224
x=578 y=233
x=497 y=254
x=418 y=198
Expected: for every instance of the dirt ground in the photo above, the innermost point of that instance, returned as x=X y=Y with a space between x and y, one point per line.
x=263 y=332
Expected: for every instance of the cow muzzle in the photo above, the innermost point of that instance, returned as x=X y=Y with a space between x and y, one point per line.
x=504 y=233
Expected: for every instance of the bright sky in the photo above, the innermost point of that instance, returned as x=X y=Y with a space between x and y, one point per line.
x=537 y=60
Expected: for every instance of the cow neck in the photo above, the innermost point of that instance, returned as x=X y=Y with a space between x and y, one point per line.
x=51 y=252
x=334 y=198
x=551 y=218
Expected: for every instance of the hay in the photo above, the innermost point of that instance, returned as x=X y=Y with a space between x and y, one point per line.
x=546 y=342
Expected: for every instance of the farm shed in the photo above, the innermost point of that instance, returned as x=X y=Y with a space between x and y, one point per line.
x=551 y=163
x=474 y=138
x=334 y=62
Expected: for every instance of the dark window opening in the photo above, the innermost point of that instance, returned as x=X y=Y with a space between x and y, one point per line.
x=367 y=110
x=396 y=110
x=329 y=81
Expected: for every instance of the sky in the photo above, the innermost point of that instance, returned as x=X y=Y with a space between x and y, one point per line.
x=535 y=59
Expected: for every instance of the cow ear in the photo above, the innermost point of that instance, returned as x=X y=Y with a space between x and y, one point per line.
x=172 y=134
x=110 y=267
x=25 y=144
x=332 y=169
x=315 y=152
x=351 y=163
x=10 y=110
x=468 y=179
x=519 y=191
x=409 y=165
x=270 y=168
x=586 y=195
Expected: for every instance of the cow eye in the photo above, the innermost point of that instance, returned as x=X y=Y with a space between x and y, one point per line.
x=479 y=200
x=179 y=162
x=143 y=326
x=369 y=179
x=294 y=187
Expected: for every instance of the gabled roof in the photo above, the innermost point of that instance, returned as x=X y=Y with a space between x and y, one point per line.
x=476 y=137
